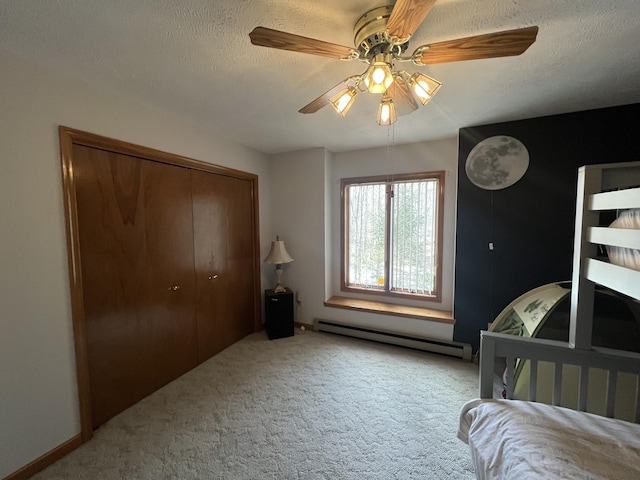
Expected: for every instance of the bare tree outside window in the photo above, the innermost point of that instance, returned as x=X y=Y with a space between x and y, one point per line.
x=367 y=220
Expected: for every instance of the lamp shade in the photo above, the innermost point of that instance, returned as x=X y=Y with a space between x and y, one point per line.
x=386 y=111
x=278 y=253
x=425 y=87
x=342 y=101
x=379 y=76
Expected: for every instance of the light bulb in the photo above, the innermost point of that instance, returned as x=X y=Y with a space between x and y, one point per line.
x=378 y=75
x=422 y=90
x=343 y=101
x=384 y=113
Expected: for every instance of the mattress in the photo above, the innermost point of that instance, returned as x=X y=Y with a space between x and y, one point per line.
x=512 y=439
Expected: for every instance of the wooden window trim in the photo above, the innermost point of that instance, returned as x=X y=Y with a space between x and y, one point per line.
x=344 y=233
x=383 y=308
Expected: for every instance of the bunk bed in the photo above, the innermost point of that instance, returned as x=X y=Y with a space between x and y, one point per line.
x=586 y=439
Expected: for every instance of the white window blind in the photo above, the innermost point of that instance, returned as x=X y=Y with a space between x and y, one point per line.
x=367 y=220
x=413 y=239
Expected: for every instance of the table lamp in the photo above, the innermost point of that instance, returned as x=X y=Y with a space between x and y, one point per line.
x=278 y=255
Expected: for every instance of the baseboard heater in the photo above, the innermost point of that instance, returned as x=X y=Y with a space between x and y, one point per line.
x=452 y=349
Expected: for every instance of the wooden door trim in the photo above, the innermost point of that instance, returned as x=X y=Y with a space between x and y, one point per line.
x=92 y=140
x=70 y=137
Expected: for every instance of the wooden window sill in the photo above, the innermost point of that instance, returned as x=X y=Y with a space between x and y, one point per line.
x=391 y=309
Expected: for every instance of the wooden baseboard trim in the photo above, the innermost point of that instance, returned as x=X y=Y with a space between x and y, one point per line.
x=47 y=459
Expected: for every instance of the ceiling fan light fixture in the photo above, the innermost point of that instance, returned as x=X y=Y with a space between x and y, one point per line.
x=379 y=77
x=386 y=112
x=381 y=37
x=342 y=101
x=424 y=87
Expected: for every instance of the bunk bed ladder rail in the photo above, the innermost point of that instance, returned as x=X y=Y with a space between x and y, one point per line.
x=510 y=347
x=587 y=269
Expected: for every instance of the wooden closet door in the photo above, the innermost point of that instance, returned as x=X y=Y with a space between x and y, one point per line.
x=224 y=259
x=136 y=249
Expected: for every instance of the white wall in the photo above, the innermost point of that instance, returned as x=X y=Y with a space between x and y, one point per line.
x=306 y=206
x=298 y=217
x=38 y=392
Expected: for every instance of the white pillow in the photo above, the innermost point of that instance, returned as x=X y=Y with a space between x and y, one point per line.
x=626 y=257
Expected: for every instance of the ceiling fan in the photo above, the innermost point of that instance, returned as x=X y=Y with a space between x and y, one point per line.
x=381 y=38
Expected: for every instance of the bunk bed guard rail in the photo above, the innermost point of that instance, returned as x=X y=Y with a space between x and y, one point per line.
x=511 y=348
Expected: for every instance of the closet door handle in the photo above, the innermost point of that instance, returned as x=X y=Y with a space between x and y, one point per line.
x=174 y=288
x=213 y=277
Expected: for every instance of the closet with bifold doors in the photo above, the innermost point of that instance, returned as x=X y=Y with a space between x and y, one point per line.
x=163 y=262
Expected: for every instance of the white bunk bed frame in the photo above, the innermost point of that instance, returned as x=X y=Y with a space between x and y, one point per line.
x=600 y=187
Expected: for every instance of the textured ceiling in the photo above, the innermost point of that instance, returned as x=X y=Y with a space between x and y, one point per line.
x=193 y=58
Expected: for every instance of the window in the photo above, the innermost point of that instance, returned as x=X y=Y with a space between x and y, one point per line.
x=392 y=230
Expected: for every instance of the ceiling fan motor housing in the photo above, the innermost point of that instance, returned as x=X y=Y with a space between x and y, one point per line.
x=370 y=34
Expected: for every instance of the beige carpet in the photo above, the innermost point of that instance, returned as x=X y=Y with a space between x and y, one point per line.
x=312 y=406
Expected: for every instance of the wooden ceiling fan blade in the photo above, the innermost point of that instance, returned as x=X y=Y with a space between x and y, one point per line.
x=500 y=44
x=323 y=99
x=267 y=37
x=402 y=97
x=406 y=17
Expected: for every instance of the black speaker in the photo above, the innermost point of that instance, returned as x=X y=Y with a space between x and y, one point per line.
x=278 y=308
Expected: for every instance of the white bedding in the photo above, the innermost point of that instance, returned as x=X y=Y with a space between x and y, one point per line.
x=512 y=439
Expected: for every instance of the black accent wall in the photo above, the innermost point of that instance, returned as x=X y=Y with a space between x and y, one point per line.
x=530 y=223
